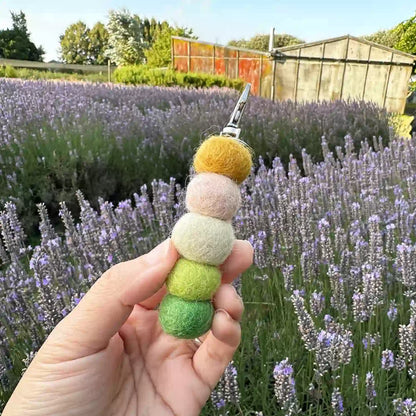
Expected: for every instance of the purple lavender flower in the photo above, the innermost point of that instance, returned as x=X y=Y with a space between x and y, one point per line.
x=370 y=391
x=284 y=387
x=387 y=360
x=337 y=402
x=227 y=390
x=317 y=303
x=392 y=312
x=405 y=407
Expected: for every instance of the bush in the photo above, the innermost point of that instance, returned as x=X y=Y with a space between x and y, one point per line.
x=401 y=124
x=40 y=74
x=8 y=72
x=142 y=74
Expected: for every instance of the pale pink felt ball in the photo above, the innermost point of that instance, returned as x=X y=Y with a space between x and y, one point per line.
x=213 y=195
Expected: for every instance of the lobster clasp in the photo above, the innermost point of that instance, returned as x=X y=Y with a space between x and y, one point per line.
x=232 y=129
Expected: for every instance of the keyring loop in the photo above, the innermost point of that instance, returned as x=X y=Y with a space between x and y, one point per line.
x=197 y=342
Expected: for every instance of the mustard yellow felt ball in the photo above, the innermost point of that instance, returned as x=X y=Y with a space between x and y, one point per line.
x=225 y=156
x=193 y=281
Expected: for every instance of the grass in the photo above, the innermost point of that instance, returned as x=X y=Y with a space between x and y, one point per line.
x=270 y=316
x=37 y=74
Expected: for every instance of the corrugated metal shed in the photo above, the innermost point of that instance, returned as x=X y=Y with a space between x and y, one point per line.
x=340 y=68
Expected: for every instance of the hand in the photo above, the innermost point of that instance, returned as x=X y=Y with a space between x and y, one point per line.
x=109 y=356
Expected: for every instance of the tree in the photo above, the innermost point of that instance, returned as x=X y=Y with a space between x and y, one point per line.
x=126 y=42
x=159 y=54
x=406 y=32
x=82 y=45
x=98 y=44
x=387 y=38
x=19 y=23
x=15 y=43
x=75 y=44
x=261 y=42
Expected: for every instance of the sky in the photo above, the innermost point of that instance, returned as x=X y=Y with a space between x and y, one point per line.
x=216 y=21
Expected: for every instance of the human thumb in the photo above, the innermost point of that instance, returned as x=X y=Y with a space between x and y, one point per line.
x=109 y=302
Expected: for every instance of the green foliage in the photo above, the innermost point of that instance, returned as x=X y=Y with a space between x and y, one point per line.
x=133 y=40
x=8 y=72
x=81 y=45
x=75 y=43
x=15 y=43
x=37 y=74
x=261 y=42
x=142 y=74
x=387 y=38
x=150 y=27
x=126 y=41
x=159 y=54
x=401 y=37
x=406 y=31
x=401 y=124
x=98 y=44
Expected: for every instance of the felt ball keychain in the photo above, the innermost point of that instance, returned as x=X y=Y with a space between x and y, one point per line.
x=204 y=236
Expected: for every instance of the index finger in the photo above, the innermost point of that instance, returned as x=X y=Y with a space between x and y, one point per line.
x=238 y=261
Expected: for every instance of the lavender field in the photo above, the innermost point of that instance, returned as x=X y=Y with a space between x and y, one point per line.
x=107 y=140
x=330 y=304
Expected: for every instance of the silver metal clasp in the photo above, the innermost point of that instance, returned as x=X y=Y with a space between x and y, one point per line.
x=231 y=129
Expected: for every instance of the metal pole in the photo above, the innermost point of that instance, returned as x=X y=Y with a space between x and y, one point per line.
x=271 y=46
x=260 y=73
x=189 y=56
x=172 y=51
x=213 y=60
x=271 y=39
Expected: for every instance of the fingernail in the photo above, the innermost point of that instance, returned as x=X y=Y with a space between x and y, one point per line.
x=168 y=247
x=223 y=311
x=236 y=293
x=249 y=244
x=159 y=253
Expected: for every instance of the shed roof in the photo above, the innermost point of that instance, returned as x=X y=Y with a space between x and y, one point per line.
x=305 y=45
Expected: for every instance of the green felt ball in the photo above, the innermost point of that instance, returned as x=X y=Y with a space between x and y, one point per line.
x=193 y=281
x=185 y=318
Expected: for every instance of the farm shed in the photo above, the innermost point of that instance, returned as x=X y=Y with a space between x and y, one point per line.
x=339 y=68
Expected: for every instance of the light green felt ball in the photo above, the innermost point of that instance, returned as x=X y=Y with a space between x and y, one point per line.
x=193 y=281
x=185 y=319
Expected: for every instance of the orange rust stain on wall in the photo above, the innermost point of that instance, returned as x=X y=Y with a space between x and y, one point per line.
x=180 y=48
x=220 y=60
x=200 y=49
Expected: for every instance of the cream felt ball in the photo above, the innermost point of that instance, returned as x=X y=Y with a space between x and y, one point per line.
x=203 y=239
x=185 y=319
x=213 y=195
x=193 y=281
